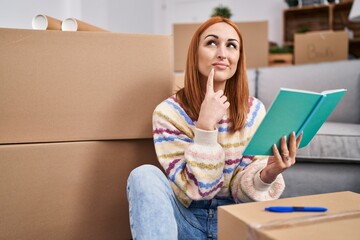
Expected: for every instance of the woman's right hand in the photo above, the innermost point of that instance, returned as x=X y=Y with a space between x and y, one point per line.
x=213 y=107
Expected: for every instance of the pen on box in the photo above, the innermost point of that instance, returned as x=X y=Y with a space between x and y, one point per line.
x=295 y=209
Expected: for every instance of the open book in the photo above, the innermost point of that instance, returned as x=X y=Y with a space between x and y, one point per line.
x=293 y=110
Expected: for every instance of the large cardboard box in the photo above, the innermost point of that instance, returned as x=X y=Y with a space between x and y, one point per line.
x=70 y=86
x=250 y=221
x=179 y=78
x=321 y=46
x=72 y=190
x=255 y=36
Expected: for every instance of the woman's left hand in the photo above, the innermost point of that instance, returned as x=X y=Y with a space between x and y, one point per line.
x=281 y=160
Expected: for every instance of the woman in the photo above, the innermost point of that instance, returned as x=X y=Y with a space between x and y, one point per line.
x=199 y=135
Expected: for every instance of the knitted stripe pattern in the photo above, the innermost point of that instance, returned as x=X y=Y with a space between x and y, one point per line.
x=201 y=165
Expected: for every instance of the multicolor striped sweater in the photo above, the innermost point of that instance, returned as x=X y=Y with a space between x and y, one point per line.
x=206 y=164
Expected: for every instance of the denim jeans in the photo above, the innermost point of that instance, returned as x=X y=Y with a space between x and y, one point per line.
x=155 y=212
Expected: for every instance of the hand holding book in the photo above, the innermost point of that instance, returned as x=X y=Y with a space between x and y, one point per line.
x=283 y=158
x=293 y=111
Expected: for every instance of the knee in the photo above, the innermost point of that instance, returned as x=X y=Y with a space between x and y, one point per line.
x=145 y=171
x=144 y=177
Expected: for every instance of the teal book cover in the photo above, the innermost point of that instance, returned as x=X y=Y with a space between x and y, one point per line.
x=293 y=111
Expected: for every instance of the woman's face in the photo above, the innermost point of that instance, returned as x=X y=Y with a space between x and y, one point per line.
x=219 y=49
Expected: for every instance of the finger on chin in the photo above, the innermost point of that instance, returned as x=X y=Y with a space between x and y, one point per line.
x=210 y=81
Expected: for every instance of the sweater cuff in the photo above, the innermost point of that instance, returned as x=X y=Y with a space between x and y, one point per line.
x=204 y=137
x=259 y=184
x=256 y=189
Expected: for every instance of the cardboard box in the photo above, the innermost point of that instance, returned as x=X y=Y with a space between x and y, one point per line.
x=251 y=222
x=71 y=86
x=255 y=36
x=68 y=190
x=322 y=46
x=179 y=78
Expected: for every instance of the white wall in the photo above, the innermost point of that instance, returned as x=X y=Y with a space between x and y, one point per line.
x=135 y=16
x=141 y=16
x=18 y=13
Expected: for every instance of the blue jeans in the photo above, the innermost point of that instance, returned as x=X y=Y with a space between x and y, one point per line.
x=155 y=212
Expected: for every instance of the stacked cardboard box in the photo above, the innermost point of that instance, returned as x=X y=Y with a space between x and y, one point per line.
x=251 y=222
x=75 y=119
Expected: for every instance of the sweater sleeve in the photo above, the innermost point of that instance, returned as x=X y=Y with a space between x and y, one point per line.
x=246 y=184
x=192 y=158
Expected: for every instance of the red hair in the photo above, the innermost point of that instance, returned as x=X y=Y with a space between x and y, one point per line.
x=236 y=88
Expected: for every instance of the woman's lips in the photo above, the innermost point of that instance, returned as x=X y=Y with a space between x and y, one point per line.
x=220 y=66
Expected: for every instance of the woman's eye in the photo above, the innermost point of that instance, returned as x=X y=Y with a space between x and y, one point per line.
x=211 y=43
x=232 y=45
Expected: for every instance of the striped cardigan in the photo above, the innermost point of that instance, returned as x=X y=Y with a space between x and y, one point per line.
x=206 y=164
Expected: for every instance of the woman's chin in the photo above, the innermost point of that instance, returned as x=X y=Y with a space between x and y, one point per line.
x=219 y=77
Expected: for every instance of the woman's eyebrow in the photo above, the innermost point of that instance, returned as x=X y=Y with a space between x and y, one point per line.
x=217 y=37
x=233 y=39
x=212 y=35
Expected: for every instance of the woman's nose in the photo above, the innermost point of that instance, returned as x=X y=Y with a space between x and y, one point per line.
x=221 y=54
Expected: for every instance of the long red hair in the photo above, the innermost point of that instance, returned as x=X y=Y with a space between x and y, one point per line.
x=236 y=88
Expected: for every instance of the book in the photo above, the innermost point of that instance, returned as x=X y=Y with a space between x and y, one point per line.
x=293 y=111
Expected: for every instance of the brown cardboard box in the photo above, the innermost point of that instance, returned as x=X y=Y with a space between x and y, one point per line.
x=251 y=222
x=68 y=190
x=255 y=36
x=322 y=46
x=70 y=86
x=179 y=78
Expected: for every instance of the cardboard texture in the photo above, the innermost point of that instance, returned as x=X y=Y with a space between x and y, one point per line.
x=71 y=86
x=255 y=36
x=179 y=78
x=322 y=46
x=68 y=190
x=251 y=222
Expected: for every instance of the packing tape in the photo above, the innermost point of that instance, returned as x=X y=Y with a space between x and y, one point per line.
x=252 y=232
